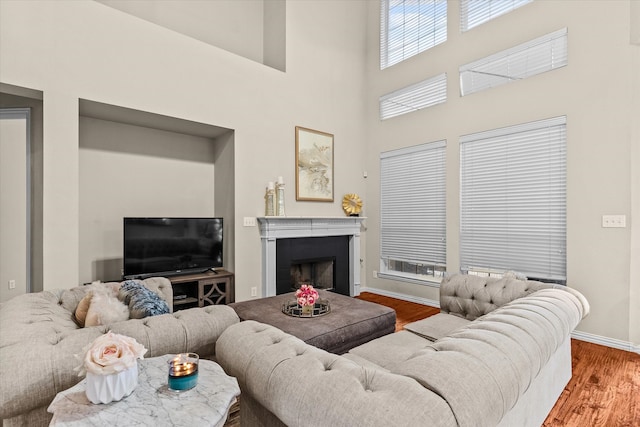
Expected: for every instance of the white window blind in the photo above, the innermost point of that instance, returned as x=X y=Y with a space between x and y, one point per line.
x=412 y=205
x=476 y=12
x=513 y=200
x=421 y=95
x=408 y=27
x=534 y=57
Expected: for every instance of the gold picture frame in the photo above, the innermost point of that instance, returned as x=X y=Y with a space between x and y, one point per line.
x=314 y=165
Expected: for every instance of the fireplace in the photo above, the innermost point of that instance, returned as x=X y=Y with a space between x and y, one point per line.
x=289 y=243
x=304 y=259
x=319 y=273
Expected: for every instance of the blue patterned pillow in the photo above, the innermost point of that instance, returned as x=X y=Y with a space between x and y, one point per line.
x=142 y=301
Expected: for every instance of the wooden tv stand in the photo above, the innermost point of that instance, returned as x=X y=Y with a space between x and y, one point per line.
x=200 y=289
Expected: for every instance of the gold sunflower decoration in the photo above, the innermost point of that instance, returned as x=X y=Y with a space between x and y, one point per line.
x=352 y=204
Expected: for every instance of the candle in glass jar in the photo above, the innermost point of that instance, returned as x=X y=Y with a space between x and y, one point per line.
x=183 y=371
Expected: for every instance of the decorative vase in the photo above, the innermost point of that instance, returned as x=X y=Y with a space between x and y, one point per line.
x=112 y=387
x=307 y=310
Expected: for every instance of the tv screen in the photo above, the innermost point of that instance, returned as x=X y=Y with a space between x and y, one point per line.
x=171 y=246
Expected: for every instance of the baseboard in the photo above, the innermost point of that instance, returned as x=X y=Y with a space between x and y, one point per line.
x=605 y=341
x=404 y=297
x=582 y=336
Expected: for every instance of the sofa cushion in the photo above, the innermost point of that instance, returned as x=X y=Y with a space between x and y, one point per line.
x=104 y=309
x=83 y=308
x=70 y=298
x=142 y=301
x=361 y=361
x=435 y=327
x=392 y=349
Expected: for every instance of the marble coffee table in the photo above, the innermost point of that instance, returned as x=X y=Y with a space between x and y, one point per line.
x=152 y=403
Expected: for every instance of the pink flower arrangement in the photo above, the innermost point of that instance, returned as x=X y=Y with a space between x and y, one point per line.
x=306 y=295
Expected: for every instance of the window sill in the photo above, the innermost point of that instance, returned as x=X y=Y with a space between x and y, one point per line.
x=433 y=282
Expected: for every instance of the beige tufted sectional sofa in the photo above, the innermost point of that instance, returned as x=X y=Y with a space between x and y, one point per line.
x=498 y=354
x=39 y=338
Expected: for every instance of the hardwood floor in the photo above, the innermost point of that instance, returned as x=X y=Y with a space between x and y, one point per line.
x=604 y=390
x=406 y=311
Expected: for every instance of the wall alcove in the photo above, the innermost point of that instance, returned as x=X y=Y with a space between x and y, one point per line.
x=136 y=163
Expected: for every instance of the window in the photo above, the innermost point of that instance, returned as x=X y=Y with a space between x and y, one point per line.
x=426 y=93
x=537 y=56
x=476 y=12
x=408 y=27
x=413 y=212
x=513 y=200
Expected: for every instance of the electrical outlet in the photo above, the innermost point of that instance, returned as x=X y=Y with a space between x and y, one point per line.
x=249 y=221
x=375 y=274
x=614 y=221
x=12 y=284
x=254 y=292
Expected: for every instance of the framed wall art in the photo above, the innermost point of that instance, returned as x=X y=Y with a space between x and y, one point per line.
x=314 y=165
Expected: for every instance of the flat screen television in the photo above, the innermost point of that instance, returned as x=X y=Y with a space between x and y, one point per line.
x=171 y=246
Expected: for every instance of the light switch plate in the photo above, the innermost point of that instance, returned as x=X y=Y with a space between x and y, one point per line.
x=614 y=221
x=249 y=221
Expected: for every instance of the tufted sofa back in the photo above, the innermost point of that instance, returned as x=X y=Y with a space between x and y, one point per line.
x=470 y=297
x=298 y=384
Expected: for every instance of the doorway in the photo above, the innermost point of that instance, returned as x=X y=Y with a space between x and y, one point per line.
x=15 y=173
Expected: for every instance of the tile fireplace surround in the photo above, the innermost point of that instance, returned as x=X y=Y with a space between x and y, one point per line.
x=273 y=228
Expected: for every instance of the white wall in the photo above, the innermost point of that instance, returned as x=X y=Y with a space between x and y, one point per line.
x=233 y=25
x=134 y=171
x=83 y=49
x=634 y=160
x=595 y=92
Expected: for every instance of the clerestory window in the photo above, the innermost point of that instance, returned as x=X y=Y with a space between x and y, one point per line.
x=409 y=27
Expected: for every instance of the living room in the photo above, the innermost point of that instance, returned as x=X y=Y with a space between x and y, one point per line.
x=78 y=54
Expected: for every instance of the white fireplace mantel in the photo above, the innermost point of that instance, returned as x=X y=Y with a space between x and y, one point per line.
x=273 y=228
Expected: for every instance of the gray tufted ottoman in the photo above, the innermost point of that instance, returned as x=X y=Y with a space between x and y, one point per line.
x=351 y=322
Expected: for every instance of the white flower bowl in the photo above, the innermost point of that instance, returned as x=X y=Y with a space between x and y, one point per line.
x=112 y=387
